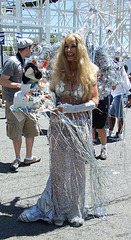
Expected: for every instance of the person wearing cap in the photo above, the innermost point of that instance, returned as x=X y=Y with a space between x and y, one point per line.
x=10 y=79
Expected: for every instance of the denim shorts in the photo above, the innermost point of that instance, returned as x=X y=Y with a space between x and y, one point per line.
x=117 y=108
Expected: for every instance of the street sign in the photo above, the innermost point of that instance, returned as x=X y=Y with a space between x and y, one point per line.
x=2 y=38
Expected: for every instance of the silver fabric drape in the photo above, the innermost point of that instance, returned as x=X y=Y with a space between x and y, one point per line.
x=64 y=196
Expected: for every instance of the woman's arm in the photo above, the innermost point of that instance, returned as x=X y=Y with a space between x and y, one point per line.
x=83 y=107
x=95 y=97
x=90 y=105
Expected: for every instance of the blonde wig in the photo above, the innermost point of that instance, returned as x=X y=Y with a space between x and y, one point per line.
x=86 y=70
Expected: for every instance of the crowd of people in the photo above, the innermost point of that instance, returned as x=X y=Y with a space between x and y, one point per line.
x=74 y=83
x=110 y=110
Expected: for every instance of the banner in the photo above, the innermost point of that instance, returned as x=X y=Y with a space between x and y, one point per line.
x=18 y=35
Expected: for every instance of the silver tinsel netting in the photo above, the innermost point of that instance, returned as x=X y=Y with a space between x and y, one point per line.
x=72 y=164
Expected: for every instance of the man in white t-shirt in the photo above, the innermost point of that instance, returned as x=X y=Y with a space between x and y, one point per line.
x=117 y=92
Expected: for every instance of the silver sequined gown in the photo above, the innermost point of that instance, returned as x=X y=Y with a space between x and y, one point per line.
x=64 y=195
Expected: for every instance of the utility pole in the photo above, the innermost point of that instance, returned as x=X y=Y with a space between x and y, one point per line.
x=2 y=41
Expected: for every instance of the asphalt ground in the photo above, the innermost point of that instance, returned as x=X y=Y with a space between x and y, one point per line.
x=21 y=189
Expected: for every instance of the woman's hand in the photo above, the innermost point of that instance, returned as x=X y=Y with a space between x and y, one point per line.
x=58 y=109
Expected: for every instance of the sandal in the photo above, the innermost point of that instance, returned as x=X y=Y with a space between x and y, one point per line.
x=15 y=164
x=58 y=222
x=76 y=222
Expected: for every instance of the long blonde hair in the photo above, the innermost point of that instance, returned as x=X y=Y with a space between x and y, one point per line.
x=86 y=70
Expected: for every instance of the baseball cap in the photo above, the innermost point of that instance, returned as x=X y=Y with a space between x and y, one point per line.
x=24 y=42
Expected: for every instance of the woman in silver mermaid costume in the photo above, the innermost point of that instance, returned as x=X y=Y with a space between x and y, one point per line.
x=74 y=82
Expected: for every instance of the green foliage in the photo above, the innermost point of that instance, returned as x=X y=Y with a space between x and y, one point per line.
x=53 y=39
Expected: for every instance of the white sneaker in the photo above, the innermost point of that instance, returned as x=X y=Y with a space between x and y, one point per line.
x=103 y=155
x=111 y=133
x=118 y=136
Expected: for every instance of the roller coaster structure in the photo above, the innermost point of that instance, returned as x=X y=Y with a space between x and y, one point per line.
x=106 y=22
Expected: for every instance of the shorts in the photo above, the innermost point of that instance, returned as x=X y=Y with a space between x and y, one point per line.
x=28 y=127
x=100 y=115
x=117 y=109
x=129 y=96
x=99 y=119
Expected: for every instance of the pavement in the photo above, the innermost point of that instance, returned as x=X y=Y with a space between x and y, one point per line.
x=22 y=188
